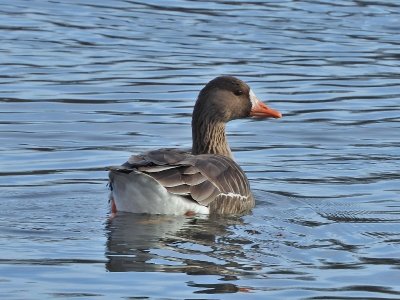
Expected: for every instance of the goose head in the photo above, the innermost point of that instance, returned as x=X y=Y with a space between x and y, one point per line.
x=223 y=99
x=226 y=98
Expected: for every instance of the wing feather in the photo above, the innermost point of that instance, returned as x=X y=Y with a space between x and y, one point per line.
x=193 y=179
x=183 y=190
x=168 y=178
x=203 y=191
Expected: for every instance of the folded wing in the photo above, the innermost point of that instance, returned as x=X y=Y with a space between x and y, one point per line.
x=209 y=179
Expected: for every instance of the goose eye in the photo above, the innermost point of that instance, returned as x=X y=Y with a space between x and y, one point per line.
x=238 y=92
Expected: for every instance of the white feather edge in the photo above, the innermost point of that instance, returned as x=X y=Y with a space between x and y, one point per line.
x=233 y=195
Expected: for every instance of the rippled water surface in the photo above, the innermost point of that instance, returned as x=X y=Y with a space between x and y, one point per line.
x=85 y=83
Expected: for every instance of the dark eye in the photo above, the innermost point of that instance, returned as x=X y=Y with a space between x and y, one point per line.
x=238 y=92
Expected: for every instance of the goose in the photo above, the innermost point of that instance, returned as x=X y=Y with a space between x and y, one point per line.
x=205 y=180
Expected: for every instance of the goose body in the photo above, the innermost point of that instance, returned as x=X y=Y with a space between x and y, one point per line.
x=205 y=180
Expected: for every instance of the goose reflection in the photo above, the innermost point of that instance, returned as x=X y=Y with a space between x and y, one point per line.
x=151 y=243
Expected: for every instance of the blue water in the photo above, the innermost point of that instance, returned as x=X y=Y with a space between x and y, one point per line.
x=83 y=84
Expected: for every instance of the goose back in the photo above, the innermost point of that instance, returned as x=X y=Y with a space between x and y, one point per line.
x=215 y=181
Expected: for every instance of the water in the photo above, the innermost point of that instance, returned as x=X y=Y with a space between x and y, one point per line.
x=86 y=83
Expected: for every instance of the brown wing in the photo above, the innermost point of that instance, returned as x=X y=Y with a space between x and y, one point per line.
x=204 y=178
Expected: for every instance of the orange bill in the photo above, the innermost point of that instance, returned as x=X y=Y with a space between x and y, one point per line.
x=260 y=110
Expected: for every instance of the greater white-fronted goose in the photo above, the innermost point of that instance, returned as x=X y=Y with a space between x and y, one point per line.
x=204 y=181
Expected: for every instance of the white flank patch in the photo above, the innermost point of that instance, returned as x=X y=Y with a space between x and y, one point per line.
x=137 y=192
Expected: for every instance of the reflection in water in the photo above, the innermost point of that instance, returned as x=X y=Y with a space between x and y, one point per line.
x=145 y=243
x=130 y=239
